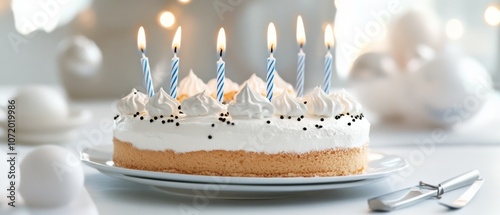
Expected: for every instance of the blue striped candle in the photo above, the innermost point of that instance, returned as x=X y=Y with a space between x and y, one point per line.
x=147 y=75
x=174 y=76
x=141 y=45
x=174 y=69
x=328 y=73
x=221 y=70
x=300 y=73
x=271 y=61
x=271 y=67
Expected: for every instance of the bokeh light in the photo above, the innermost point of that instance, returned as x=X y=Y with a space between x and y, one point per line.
x=454 y=29
x=492 y=16
x=166 y=19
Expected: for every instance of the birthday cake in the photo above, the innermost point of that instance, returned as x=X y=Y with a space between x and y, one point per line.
x=317 y=135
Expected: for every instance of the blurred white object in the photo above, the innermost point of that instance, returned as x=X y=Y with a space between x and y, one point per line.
x=79 y=56
x=447 y=90
x=51 y=176
x=33 y=15
x=43 y=116
x=409 y=33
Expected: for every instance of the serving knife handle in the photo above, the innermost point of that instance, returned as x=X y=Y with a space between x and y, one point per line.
x=459 y=181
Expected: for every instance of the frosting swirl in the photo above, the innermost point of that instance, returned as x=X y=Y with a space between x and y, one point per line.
x=162 y=104
x=229 y=86
x=134 y=102
x=320 y=104
x=191 y=85
x=351 y=105
x=280 y=84
x=256 y=84
x=288 y=106
x=201 y=104
x=248 y=104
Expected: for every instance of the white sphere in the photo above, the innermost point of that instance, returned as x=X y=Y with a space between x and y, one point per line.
x=79 y=55
x=448 y=90
x=40 y=105
x=51 y=176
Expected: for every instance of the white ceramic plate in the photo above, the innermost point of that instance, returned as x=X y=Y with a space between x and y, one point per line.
x=238 y=191
x=380 y=165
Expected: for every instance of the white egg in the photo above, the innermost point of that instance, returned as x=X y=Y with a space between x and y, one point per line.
x=40 y=106
x=51 y=176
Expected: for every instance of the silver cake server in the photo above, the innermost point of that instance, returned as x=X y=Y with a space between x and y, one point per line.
x=465 y=198
x=422 y=191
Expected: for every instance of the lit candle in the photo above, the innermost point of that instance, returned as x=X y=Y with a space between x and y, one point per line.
x=301 y=39
x=174 y=70
x=141 y=45
x=271 y=61
x=221 y=65
x=328 y=59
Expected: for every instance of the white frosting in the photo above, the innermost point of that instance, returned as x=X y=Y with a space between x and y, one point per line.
x=229 y=86
x=256 y=84
x=287 y=105
x=134 y=102
x=320 y=104
x=248 y=104
x=255 y=135
x=201 y=104
x=162 y=104
x=351 y=105
x=191 y=85
x=280 y=84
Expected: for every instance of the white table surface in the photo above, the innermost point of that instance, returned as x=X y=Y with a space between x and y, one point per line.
x=449 y=157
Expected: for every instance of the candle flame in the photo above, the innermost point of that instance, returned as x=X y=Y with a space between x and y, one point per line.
x=176 y=43
x=141 y=39
x=329 y=36
x=271 y=37
x=221 y=41
x=301 y=34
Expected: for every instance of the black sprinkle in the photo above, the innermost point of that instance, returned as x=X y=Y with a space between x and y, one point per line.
x=151 y=120
x=137 y=113
x=213 y=125
x=268 y=122
x=289 y=117
x=305 y=129
x=323 y=119
x=305 y=102
x=181 y=112
x=135 y=92
x=177 y=123
x=179 y=107
x=142 y=118
x=320 y=126
x=171 y=115
x=163 y=121
x=353 y=120
x=161 y=116
x=209 y=136
x=349 y=124
x=221 y=114
x=232 y=123
x=302 y=116
x=156 y=118
x=228 y=122
x=282 y=117
x=317 y=126
x=298 y=119
x=223 y=120
x=176 y=117
x=347 y=113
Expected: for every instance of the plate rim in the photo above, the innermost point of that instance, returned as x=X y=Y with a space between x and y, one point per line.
x=85 y=157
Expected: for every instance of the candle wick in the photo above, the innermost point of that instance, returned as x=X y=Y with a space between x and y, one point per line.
x=142 y=50
x=221 y=53
x=272 y=48
x=301 y=45
x=175 y=49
